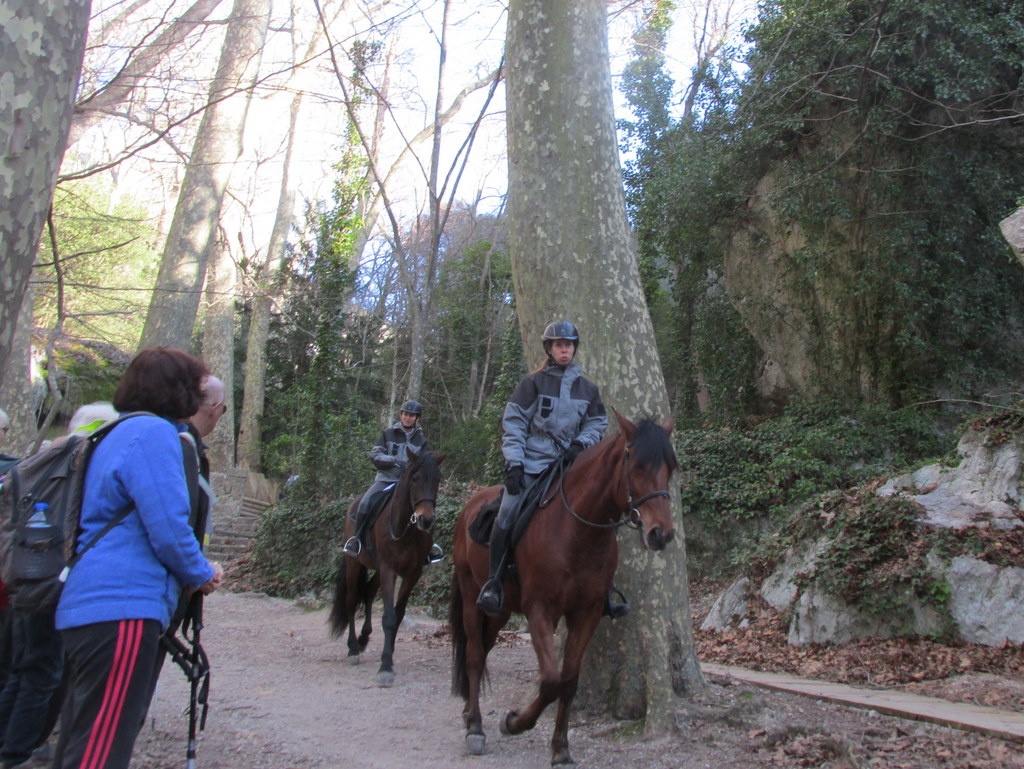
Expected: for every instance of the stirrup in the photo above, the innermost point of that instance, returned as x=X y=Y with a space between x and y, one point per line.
x=490 y=598
x=436 y=554
x=613 y=608
x=352 y=547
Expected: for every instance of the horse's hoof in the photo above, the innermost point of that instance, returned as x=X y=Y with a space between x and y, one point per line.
x=354 y=659
x=506 y=722
x=385 y=678
x=476 y=744
x=562 y=759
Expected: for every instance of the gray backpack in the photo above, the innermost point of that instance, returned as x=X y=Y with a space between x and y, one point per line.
x=40 y=509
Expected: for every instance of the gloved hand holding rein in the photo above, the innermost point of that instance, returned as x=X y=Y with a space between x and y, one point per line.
x=514 y=479
x=574 y=450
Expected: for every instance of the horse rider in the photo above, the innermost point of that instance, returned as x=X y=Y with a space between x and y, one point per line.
x=554 y=414
x=389 y=455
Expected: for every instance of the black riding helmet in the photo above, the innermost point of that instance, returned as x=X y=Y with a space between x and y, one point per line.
x=560 y=329
x=412 y=407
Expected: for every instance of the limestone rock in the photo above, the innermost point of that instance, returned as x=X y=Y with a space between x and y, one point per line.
x=986 y=601
x=730 y=607
x=1013 y=230
x=984 y=490
x=779 y=590
x=823 y=618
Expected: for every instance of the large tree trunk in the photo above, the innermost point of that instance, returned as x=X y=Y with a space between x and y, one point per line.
x=250 y=443
x=175 y=303
x=18 y=390
x=219 y=348
x=573 y=257
x=41 y=48
x=249 y=449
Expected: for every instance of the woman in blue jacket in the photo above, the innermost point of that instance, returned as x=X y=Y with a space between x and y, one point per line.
x=554 y=413
x=120 y=596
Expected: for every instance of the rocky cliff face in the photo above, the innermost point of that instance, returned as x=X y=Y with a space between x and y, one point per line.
x=815 y=327
x=985 y=601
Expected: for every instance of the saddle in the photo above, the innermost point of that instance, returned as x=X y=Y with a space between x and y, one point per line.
x=534 y=497
x=376 y=506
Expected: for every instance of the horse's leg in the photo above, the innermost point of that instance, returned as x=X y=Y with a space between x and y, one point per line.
x=370 y=587
x=389 y=623
x=542 y=635
x=391 y=626
x=580 y=629
x=480 y=633
x=408 y=584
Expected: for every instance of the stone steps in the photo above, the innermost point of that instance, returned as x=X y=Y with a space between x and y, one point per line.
x=242 y=498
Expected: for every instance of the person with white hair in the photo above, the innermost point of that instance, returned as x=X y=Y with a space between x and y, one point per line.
x=91 y=417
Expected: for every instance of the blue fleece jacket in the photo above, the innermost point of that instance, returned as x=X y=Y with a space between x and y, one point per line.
x=138 y=568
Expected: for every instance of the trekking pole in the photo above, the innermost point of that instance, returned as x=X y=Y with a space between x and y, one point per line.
x=196 y=672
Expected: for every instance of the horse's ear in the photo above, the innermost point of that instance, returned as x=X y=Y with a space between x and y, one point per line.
x=627 y=427
x=439 y=458
x=668 y=424
x=412 y=454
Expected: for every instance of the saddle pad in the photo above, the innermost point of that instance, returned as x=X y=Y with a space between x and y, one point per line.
x=480 y=529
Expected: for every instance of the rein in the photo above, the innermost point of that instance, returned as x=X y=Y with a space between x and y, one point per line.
x=415 y=503
x=632 y=505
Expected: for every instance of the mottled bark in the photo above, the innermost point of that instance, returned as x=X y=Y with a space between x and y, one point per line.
x=573 y=257
x=41 y=48
x=18 y=391
x=172 y=311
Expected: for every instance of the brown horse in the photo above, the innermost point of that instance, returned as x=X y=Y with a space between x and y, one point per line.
x=565 y=563
x=397 y=545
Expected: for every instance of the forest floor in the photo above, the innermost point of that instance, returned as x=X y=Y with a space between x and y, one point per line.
x=284 y=696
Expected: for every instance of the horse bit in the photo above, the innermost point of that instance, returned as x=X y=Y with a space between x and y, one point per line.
x=412 y=518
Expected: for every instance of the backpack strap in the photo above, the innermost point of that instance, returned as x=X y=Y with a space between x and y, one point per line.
x=92 y=441
x=89 y=545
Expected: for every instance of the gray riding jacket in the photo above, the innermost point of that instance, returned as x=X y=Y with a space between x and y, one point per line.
x=549 y=410
x=389 y=453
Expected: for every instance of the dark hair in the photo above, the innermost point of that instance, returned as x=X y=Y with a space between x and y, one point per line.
x=162 y=380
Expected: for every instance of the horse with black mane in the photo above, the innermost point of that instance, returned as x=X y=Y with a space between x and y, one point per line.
x=398 y=546
x=564 y=562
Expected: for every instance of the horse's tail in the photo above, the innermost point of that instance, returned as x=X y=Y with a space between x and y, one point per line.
x=339 y=619
x=460 y=681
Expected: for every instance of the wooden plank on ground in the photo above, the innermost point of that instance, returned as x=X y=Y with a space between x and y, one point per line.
x=1004 y=724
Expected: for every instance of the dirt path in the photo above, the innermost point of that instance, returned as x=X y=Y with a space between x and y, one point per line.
x=283 y=696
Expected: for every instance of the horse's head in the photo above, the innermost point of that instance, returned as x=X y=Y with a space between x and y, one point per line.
x=422 y=477
x=648 y=465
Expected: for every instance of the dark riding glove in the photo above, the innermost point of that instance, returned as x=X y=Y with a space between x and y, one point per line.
x=574 y=450
x=515 y=479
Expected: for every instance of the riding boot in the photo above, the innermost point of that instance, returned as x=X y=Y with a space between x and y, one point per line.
x=354 y=545
x=491 y=594
x=615 y=603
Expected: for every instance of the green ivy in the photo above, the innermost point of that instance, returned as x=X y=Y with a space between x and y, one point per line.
x=296 y=547
x=760 y=469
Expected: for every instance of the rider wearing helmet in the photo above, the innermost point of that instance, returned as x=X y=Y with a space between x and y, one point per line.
x=389 y=457
x=555 y=413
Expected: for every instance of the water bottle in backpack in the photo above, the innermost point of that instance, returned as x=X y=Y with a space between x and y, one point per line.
x=38 y=552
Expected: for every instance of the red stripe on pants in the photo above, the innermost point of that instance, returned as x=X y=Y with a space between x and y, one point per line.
x=108 y=718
